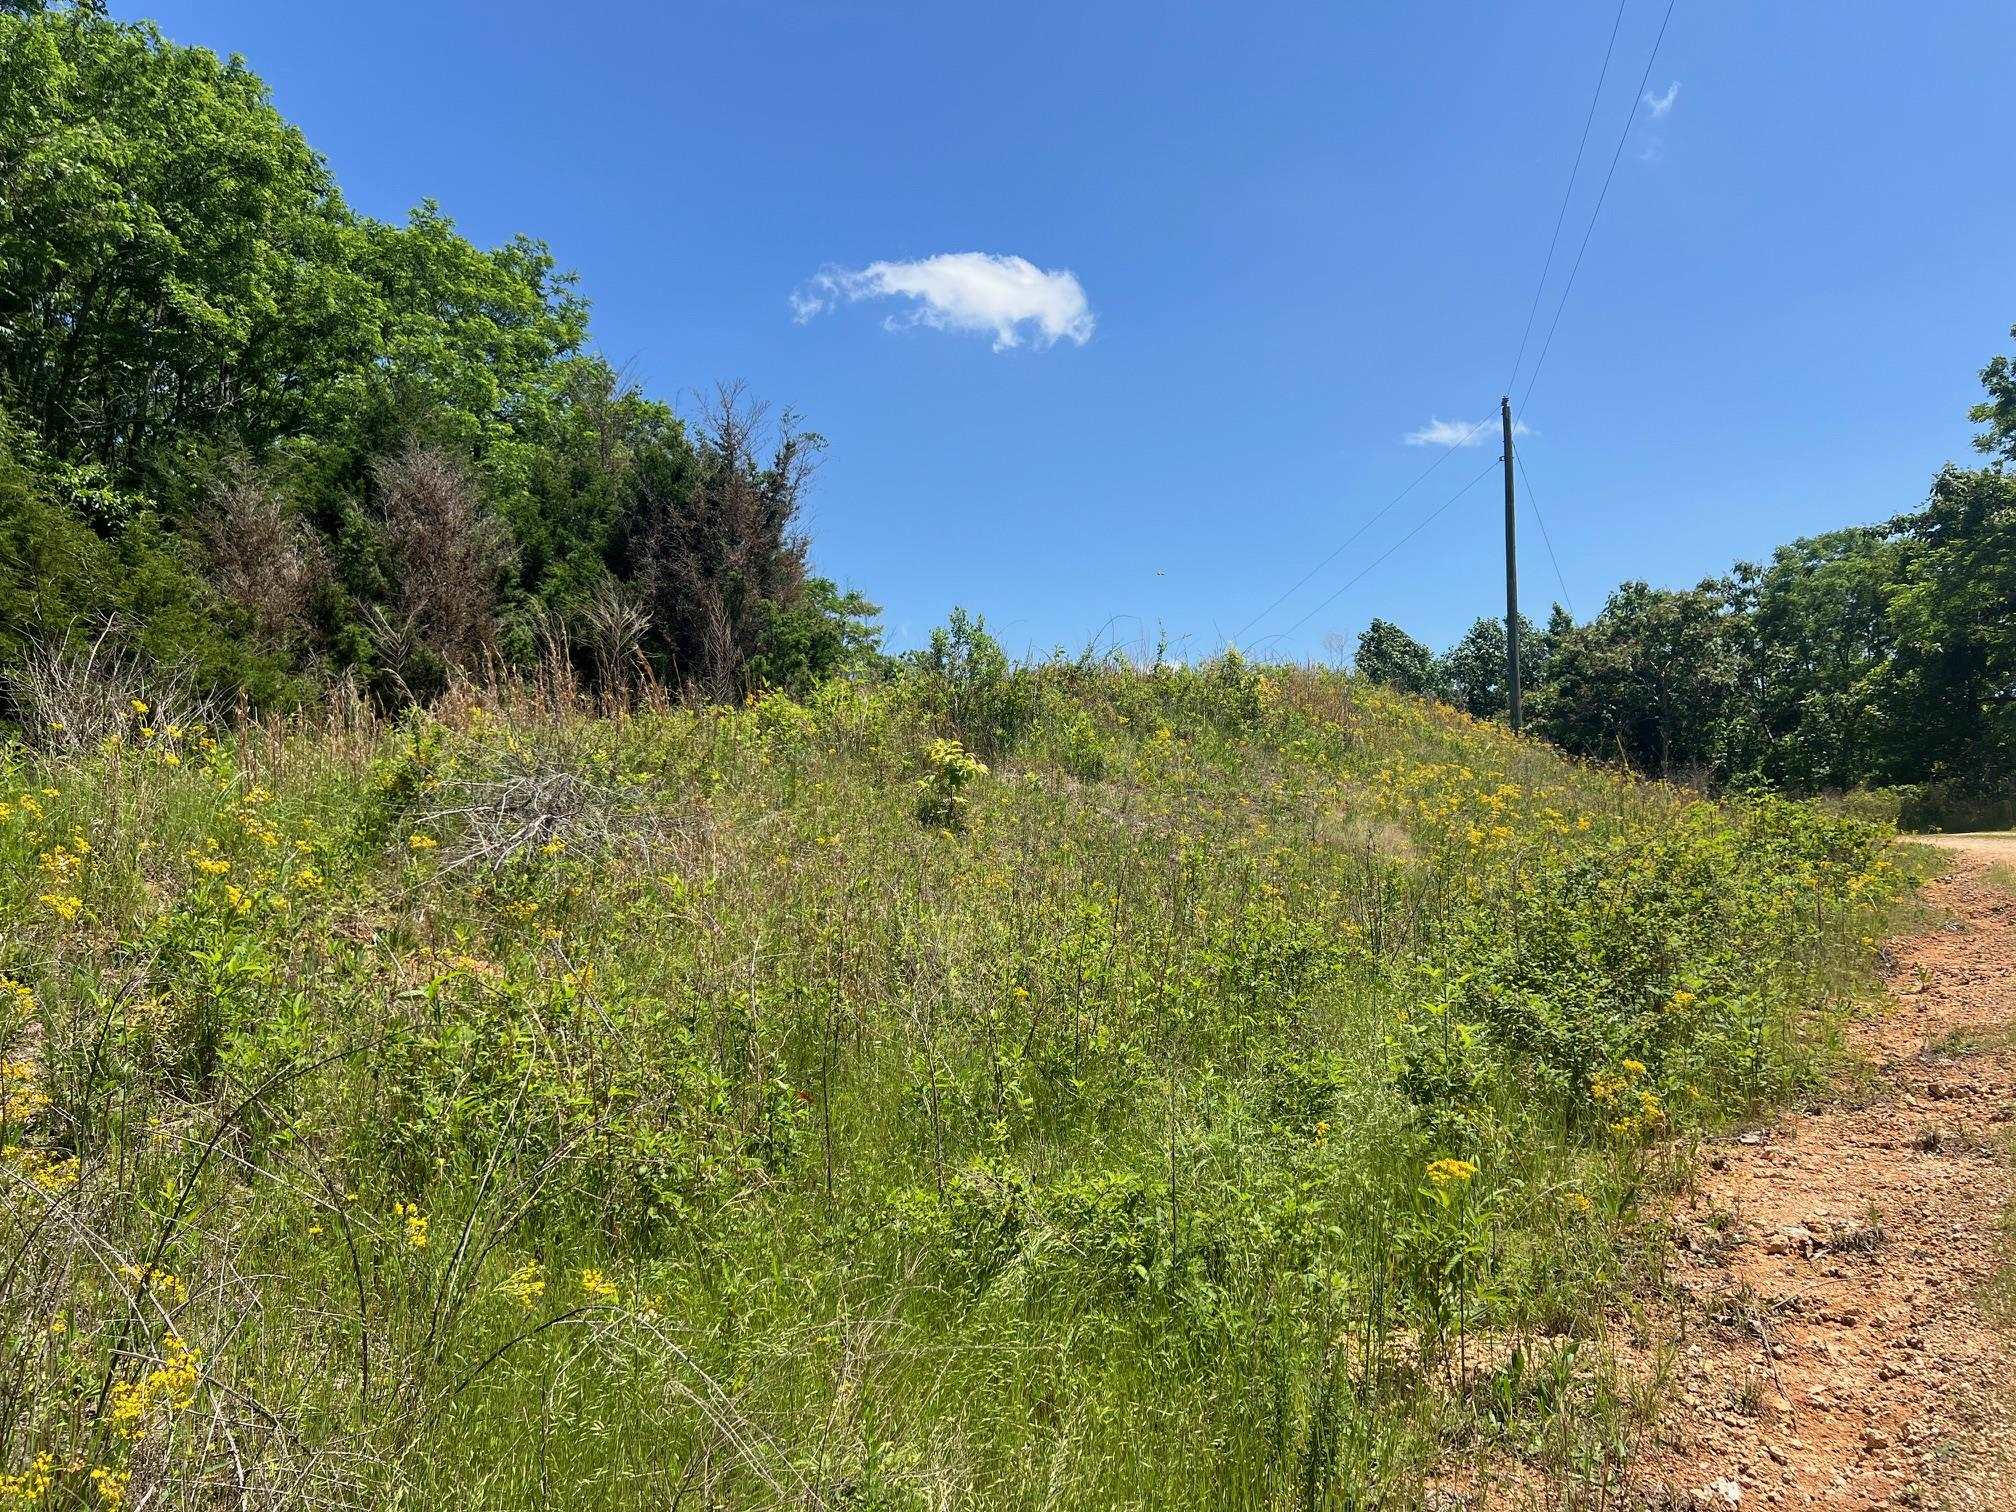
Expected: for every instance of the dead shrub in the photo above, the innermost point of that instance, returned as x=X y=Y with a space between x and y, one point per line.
x=448 y=556
x=538 y=802
x=262 y=556
x=69 y=697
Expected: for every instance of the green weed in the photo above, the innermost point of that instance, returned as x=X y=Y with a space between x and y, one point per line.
x=1241 y=1090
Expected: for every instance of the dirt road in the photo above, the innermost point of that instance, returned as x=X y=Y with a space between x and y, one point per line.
x=1842 y=1342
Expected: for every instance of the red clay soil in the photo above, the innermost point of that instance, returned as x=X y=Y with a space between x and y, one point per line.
x=1838 y=1342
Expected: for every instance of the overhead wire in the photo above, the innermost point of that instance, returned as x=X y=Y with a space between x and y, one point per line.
x=1623 y=136
x=1370 y=566
x=1383 y=510
x=1567 y=194
x=1533 y=378
x=1533 y=499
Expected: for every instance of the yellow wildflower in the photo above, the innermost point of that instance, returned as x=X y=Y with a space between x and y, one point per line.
x=524 y=1286
x=1451 y=1172
x=29 y=1487
x=49 y=1172
x=164 y=1284
x=599 y=1287
x=171 y=1386
x=416 y=1223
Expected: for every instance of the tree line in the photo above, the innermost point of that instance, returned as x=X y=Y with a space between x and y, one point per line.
x=1875 y=656
x=277 y=440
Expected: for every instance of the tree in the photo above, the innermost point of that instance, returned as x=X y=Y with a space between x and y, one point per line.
x=825 y=633
x=1471 y=673
x=1390 y=656
x=1998 y=410
x=1810 y=635
x=262 y=556
x=1649 y=679
x=207 y=346
x=172 y=250
x=717 y=552
x=1952 y=676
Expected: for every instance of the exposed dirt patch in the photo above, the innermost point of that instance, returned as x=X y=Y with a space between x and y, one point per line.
x=1839 y=1341
x=1991 y=848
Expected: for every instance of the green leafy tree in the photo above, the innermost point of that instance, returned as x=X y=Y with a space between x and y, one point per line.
x=1811 y=638
x=1952 y=677
x=1472 y=673
x=206 y=346
x=1998 y=410
x=1650 y=680
x=969 y=684
x=172 y=270
x=1390 y=656
x=826 y=632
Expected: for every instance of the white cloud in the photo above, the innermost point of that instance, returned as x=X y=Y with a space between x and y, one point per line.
x=1660 y=104
x=1008 y=297
x=1462 y=432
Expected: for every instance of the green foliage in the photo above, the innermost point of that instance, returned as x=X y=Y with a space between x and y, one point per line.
x=823 y=634
x=966 y=681
x=949 y=769
x=1649 y=680
x=663 y=1072
x=1389 y=656
x=190 y=312
x=1871 y=656
x=61 y=582
x=1876 y=656
x=1998 y=410
x=173 y=250
x=1472 y=673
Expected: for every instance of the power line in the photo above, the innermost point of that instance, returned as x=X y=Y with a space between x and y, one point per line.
x=1567 y=194
x=1546 y=345
x=1622 y=137
x=1519 y=461
x=1489 y=467
x=1384 y=510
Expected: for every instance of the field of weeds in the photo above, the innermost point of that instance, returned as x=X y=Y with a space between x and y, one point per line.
x=1078 y=1086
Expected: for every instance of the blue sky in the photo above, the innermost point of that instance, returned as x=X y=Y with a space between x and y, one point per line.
x=1300 y=234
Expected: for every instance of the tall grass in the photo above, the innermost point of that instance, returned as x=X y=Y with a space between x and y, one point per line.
x=1245 y=1093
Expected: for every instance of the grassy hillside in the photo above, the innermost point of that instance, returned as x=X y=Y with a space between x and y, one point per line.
x=1242 y=1093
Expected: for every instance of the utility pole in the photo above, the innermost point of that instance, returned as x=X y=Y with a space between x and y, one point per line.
x=1511 y=577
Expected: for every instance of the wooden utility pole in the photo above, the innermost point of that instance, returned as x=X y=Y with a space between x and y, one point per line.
x=1511 y=578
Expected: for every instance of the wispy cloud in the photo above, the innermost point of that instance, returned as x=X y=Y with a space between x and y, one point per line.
x=1007 y=297
x=1462 y=432
x=1660 y=104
